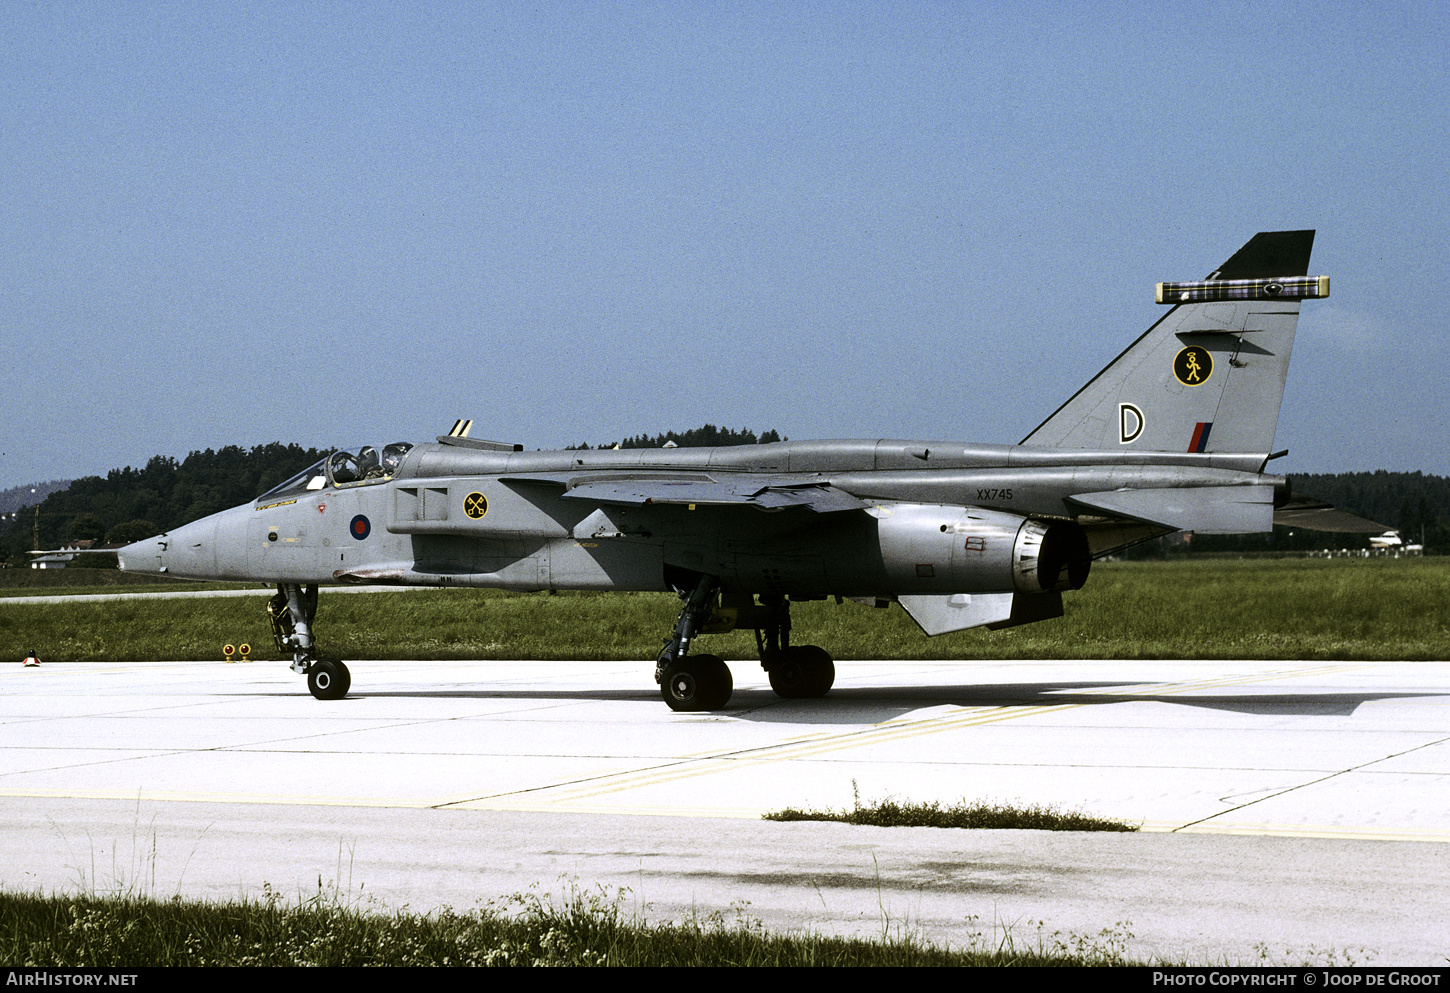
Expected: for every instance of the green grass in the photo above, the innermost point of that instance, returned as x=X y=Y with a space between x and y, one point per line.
x=580 y=928
x=1252 y=609
x=19 y=580
x=964 y=814
x=127 y=589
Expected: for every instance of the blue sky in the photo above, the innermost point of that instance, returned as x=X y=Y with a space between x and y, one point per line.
x=353 y=223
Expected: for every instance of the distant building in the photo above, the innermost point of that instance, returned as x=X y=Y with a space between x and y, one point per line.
x=57 y=559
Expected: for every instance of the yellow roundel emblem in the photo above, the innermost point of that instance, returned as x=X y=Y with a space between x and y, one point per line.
x=1193 y=365
x=475 y=505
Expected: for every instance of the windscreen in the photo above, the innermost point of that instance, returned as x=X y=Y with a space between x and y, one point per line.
x=343 y=467
x=314 y=477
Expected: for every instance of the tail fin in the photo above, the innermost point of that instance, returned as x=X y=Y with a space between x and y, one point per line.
x=1209 y=376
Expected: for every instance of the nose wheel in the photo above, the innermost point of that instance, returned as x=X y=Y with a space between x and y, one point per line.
x=328 y=679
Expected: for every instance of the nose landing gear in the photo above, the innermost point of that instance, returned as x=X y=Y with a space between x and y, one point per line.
x=292 y=612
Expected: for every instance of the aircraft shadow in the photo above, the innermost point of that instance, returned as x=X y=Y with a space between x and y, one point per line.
x=883 y=703
x=875 y=704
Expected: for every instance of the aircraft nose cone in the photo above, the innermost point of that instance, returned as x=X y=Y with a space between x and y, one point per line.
x=147 y=555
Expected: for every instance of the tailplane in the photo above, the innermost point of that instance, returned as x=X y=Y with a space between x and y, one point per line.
x=1209 y=376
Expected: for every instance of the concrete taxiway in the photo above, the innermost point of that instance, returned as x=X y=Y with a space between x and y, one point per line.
x=1301 y=805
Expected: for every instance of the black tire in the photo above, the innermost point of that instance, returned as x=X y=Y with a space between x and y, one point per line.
x=697 y=682
x=344 y=678
x=328 y=679
x=801 y=672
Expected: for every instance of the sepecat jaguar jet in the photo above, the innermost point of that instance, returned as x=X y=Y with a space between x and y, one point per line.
x=1174 y=435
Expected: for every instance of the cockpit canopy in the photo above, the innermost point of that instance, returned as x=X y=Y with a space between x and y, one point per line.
x=344 y=467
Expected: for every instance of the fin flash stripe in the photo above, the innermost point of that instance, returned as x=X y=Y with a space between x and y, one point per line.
x=1200 y=436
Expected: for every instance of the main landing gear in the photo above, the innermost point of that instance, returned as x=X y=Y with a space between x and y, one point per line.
x=292 y=612
x=796 y=672
x=693 y=682
x=703 y=682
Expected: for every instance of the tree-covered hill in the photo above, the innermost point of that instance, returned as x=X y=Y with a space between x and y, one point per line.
x=708 y=436
x=163 y=495
x=1411 y=502
x=13 y=499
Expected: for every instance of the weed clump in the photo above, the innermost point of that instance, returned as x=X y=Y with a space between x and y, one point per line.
x=980 y=815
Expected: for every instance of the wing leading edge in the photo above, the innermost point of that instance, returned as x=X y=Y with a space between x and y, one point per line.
x=762 y=492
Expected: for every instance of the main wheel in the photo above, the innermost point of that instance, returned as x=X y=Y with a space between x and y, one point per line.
x=801 y=672
x=328 y=679
x=697 y=682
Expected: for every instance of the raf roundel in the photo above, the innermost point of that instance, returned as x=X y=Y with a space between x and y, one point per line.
x=360 y=527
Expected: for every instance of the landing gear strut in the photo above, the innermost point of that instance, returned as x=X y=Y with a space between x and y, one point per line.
x=693 y=682
x=292 y=612
x=796 y=671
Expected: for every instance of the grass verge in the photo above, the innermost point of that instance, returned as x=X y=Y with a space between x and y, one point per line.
x=582 y=928
x=980 y=815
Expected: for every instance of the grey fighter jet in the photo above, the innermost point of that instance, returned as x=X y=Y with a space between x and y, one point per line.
x=1174 y=435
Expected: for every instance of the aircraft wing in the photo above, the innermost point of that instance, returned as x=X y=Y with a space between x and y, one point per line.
x=1315 y=515
x=1226 y=509
x=1205 y=509
x=763 y=492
